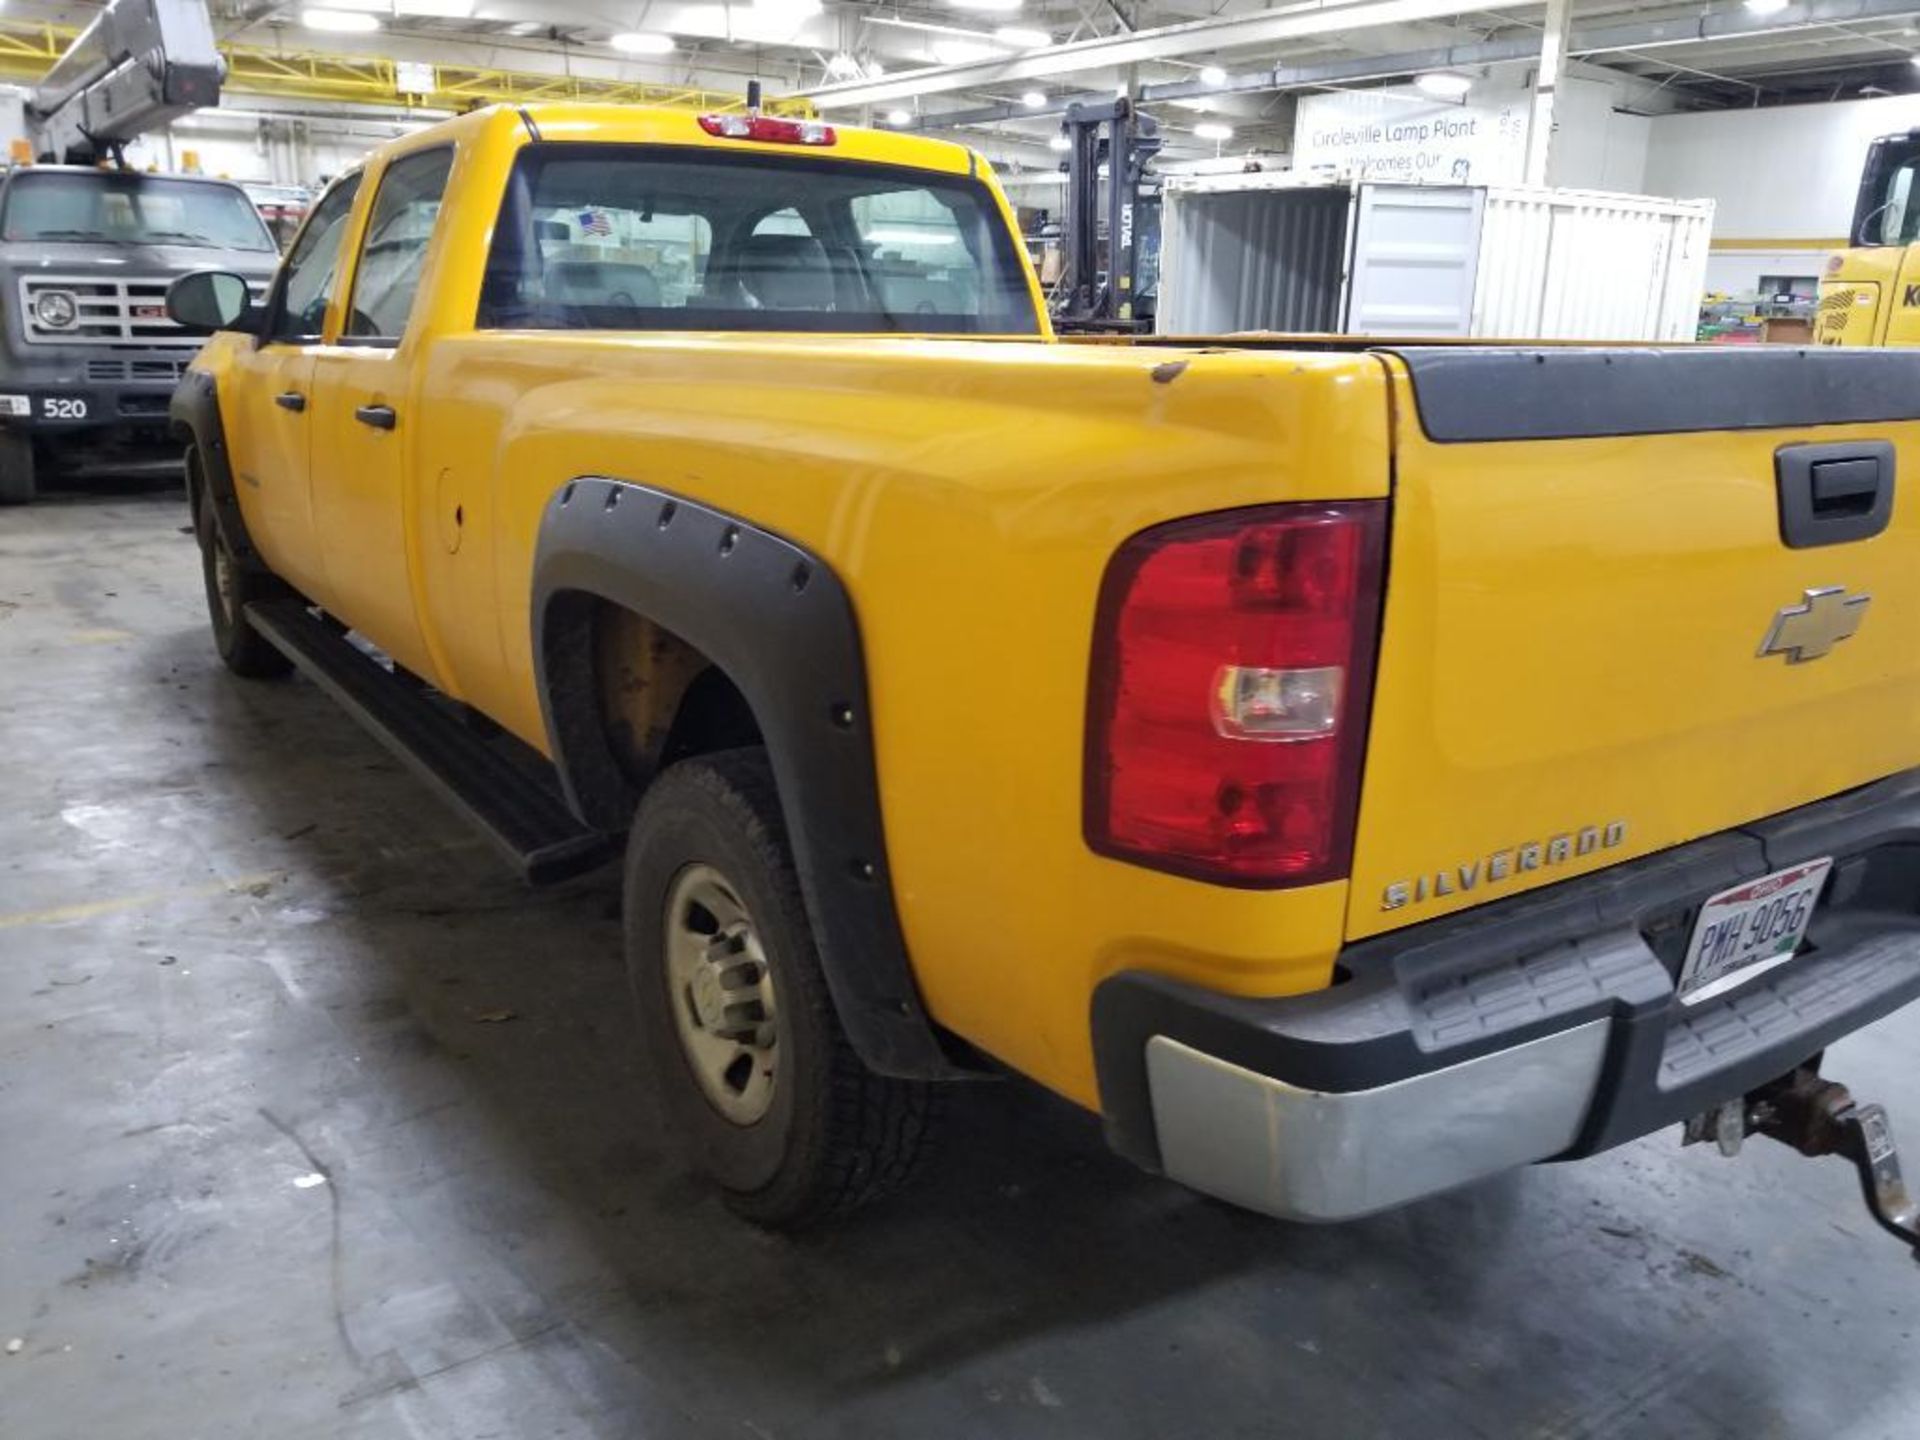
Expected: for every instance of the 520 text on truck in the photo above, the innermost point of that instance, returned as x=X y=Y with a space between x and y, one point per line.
x=1352 y=769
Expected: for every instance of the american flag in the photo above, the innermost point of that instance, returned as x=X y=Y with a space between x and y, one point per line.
x=595 y=222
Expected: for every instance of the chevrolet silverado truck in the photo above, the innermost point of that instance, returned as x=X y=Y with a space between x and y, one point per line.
x=89 y=358
x=1351 y=769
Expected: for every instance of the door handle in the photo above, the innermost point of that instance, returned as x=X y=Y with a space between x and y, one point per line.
x=381 y=417
x=291 y=400
x=1834 y=494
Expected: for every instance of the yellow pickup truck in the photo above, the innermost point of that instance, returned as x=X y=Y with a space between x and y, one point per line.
x=1351 y=768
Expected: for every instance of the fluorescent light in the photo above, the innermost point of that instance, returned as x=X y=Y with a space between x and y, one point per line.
x=1033 y=99
x=996 y=5
x=642 y=42
x=959 y=52
x=1766 y=7
x=341 y=21
x=1213 y=75
x=1443 y=84
x=1022 y=38
x=1212 y=130
x=1059 y=142
x=435 y=9
x=899 y=117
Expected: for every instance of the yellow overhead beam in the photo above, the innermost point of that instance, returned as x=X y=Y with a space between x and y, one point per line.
x=28 y=50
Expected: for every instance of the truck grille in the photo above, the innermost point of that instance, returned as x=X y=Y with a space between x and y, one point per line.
x=122 y=311
x=115 y=372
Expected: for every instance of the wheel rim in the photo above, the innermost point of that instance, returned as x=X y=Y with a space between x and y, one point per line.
x=721 y=992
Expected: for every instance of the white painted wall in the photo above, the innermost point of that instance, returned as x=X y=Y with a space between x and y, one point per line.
x=1788 y=172
x=1595 y=146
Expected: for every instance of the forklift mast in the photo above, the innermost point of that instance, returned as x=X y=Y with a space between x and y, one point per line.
x=138 y=66
x=1091 y=296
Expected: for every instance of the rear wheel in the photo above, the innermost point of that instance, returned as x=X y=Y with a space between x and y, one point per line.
x=230 y=588
x=17 y=479
x=757 y=1078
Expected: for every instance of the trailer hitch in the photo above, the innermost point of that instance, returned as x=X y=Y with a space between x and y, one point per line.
x=1820 y=1117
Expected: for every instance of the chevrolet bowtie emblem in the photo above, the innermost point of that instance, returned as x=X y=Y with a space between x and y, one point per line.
x=1819 y=622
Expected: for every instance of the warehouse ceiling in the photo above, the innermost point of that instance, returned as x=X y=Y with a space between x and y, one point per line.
x=1000 y=70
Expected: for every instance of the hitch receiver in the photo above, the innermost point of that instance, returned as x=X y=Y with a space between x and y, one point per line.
x=1820 y=1117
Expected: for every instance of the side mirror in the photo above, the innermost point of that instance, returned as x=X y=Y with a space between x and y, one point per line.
x=209 y=300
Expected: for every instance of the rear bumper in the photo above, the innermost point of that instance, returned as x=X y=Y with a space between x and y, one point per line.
x=1540 y=1027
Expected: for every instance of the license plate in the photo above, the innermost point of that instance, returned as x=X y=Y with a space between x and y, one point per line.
x=63 y=407
x=1750 y=928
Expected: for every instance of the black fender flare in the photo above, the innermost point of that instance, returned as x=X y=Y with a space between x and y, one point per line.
x=781 y=626
x=194 y=412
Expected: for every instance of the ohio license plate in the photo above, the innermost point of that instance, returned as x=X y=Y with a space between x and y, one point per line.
x=1750 y=928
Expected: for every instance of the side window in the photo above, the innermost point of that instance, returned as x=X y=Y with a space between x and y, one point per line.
x=1900 y=217
x=313 y=266
x=395 y=247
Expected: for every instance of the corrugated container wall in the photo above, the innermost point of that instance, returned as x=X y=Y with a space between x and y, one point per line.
x=1267 y=252
x=1585 y=265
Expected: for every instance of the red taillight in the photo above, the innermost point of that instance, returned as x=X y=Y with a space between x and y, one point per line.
x=1232 y=665
x=769 y=129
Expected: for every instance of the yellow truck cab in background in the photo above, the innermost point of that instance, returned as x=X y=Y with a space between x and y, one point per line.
x=1351 y=768
x=1870 y=293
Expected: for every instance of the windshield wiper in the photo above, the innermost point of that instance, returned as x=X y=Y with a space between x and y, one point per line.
x=187 y=236
x=75 y=235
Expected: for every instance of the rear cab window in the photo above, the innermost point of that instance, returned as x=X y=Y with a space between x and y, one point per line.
x=646 y=237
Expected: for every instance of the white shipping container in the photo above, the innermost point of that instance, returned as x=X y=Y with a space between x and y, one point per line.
x=1515 y=262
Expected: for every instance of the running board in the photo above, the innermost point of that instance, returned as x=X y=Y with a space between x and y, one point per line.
x=526 y=819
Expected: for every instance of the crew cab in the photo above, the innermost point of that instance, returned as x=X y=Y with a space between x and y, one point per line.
x=1351 y=768
x=89 y=358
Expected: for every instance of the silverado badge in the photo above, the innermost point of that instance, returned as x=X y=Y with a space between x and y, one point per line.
x=1821 y=620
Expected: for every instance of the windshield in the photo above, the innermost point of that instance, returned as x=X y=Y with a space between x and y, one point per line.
x=122 y=209
x=629 y=237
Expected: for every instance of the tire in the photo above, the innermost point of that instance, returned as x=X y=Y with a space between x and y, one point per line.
x=230 y=588
x=17 y=481
x=793 y=1128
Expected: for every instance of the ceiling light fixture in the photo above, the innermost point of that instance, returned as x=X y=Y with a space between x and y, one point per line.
x=1766 y=7
x=1443 y=84
x=1033 y=99
x=342 y=22
x=1212 y=130
x=899 y=117
x=1022 y=38
x=1212 y=75
x=642 y=42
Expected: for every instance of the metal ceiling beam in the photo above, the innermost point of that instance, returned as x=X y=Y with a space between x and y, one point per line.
x=1584 y=40
x=1316 y=17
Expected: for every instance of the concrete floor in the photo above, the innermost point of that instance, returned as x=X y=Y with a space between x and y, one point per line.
x=312 y=1124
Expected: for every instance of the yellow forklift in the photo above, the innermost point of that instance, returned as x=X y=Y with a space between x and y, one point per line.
x=1870 y=293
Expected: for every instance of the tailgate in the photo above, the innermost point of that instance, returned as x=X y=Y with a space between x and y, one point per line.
x=1597 y=640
